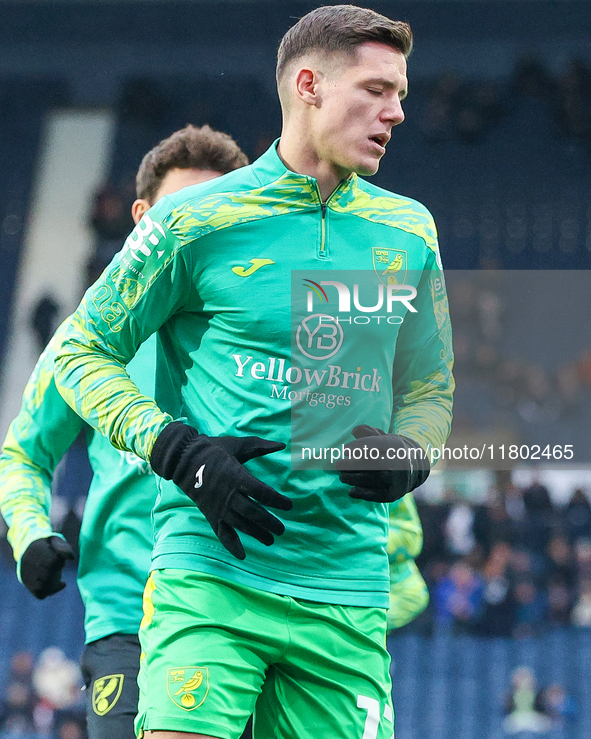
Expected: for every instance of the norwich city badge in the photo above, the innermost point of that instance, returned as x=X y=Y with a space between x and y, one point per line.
x=390 y=265
x=105 y=693
x=188 y=686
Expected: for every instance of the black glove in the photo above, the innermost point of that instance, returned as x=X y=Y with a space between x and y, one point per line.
x=42 y=565
x=209 y=470
x=384 y=479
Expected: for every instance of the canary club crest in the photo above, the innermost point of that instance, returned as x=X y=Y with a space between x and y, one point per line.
x=106 y=692
x=390 y=265
x=187 y=686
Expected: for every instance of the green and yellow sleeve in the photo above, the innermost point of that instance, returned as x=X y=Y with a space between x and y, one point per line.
x=135 y=295
x=409 y=595
x=36 y=441
x=423 y=391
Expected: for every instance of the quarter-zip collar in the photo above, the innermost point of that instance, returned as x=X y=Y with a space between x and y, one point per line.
x=271 y=171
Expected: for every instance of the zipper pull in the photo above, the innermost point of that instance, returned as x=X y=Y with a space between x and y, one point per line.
x=323 y=207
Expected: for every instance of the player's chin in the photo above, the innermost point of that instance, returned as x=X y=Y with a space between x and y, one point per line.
x=368 y=166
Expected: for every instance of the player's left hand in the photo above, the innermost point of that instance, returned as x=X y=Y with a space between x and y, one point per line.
x=383 y=467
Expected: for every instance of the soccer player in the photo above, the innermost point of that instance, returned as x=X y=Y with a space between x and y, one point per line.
x=282 y=611
x=116 y=535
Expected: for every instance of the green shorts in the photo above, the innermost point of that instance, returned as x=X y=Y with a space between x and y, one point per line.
x=215 y=651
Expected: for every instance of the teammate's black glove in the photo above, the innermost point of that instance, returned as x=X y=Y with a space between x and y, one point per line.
x=400 y=465
x=209 y=470
x=42 y=565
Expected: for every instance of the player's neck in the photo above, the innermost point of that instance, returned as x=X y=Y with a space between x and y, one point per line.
x=299 y=155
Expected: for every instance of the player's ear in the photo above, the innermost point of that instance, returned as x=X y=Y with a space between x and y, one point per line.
x=308 y=85
x=138 y=209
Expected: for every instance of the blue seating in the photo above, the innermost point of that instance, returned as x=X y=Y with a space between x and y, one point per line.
x=32 y=625
x=454 y=687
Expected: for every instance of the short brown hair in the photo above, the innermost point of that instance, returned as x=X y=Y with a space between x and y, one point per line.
x=341 y=29
x=191 y=147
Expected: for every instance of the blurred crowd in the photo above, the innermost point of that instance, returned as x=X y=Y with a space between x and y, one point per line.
x=530 y=710
x=43 y=698
x=511 y=568
x=466 y=111
x=511 y=387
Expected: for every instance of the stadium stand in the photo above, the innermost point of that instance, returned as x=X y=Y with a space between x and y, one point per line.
x=521 y=181
x=516 y=197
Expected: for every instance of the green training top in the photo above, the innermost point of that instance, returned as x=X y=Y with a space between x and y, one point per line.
x=116 y=535
x=210 y=268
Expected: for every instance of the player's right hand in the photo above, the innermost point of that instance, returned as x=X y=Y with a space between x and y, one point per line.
x=42 y=565
x=388 y=475
x=209 y=469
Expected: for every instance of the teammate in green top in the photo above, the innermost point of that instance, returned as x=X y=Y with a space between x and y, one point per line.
x=116 y=535
x=293 y=628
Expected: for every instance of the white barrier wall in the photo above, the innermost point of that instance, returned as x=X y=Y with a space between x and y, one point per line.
x=74 y=161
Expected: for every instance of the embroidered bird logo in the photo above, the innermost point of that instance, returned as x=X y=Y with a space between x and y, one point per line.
x=103 y=690
x=395 y=264
x=193 y=683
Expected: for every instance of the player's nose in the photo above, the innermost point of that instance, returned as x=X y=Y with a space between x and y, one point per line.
x=393 y=113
